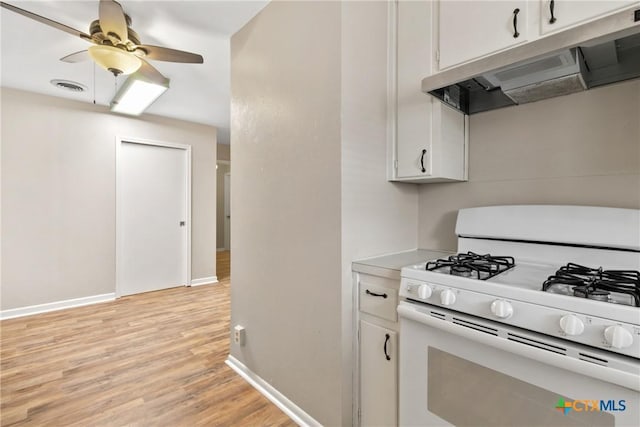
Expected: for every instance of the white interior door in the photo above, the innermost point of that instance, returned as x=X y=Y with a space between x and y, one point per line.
x=153 y=217
x=227 y=211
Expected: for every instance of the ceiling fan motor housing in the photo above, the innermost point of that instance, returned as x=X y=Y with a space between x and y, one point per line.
x=100 y=38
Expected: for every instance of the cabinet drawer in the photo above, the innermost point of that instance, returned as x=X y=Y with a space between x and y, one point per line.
x=379 y=301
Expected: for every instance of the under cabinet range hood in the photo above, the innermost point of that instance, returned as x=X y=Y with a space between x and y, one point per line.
x=577 y=66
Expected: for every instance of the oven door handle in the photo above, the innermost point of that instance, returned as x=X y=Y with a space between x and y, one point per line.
x=623 y=379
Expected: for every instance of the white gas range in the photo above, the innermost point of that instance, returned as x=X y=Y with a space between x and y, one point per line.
x=482 y=316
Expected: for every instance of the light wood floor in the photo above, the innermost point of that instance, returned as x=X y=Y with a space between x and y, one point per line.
x=154 y=359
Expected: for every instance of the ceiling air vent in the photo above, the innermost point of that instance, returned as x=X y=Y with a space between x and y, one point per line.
x=69 y=85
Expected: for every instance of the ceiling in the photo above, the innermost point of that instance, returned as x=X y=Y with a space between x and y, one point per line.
x=31 y=52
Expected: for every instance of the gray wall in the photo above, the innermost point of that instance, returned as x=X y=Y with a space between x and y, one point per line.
x=581 y=149
x=58 y=195
x=285 y=146
x=309 y=191
x=224 y=151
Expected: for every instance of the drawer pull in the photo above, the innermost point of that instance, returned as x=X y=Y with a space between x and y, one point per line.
x=373 y=294
x=386 y=340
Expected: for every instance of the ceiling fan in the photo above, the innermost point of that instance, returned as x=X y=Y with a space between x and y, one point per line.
x=117 y=47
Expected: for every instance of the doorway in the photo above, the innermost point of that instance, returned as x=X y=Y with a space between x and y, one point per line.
x=223 y=216
x=227 y=211
x=153 y=215
x=223 y=192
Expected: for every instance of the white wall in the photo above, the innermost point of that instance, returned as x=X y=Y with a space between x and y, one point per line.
x=581 y=149
x=58 y=195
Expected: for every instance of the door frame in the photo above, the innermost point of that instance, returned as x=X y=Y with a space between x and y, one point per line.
x=119 y=238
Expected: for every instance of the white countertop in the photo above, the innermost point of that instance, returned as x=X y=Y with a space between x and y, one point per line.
x=390 y=265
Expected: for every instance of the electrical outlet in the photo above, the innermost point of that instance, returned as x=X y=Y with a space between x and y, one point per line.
x=238 y=334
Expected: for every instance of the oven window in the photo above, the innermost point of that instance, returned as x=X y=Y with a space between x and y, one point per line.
x=467 y=394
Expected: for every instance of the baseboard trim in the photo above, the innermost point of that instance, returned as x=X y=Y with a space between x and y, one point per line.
x=292 y=410
x=55 y=306
x=204 y=281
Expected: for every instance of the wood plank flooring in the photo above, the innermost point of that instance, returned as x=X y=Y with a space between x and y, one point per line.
x=154 y=359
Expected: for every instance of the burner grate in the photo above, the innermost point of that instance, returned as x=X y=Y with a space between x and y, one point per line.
x=596 y=284
x=472 y=265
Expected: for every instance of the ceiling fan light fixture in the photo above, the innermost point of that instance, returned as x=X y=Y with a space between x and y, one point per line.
x=114 y=59
x=137 y=94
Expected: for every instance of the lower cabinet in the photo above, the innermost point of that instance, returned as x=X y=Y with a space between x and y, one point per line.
x=378 y=375
x=376 y=324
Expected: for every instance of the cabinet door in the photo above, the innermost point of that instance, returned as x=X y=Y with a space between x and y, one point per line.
x=570 y=12
x=432 y=143
x=414 y=139
x=414 y=62
x=378 y=376
x=472 y=29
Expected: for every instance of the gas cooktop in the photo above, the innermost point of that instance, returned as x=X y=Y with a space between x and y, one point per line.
x=470 y=264
x=613 y=286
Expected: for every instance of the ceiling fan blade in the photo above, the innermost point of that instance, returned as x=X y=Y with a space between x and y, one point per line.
x=158 y=53
x=112 y=20
x=80 y=56
x=150 y=72
x=46 y=21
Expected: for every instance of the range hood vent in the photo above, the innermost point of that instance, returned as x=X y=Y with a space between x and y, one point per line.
x=559 y=74
x=576 y=68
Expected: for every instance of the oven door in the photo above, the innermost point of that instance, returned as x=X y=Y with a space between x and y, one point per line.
x=459 y=370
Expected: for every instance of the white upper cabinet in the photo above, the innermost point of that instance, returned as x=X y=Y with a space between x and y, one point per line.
x=473 y=29
x=414 y=107
x=432 y=143
x=429 y=138
x=560 y=14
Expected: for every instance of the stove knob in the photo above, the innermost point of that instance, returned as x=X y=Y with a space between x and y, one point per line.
x=502 y=309
x=618 y=336
x=571 y=325
x=424 y=292
x=447 y=297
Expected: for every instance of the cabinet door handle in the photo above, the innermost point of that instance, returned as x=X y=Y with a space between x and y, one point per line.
x=552 y=5
x=387 y=337
x=515 y=23
x=424 y=151
x=373 y=294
